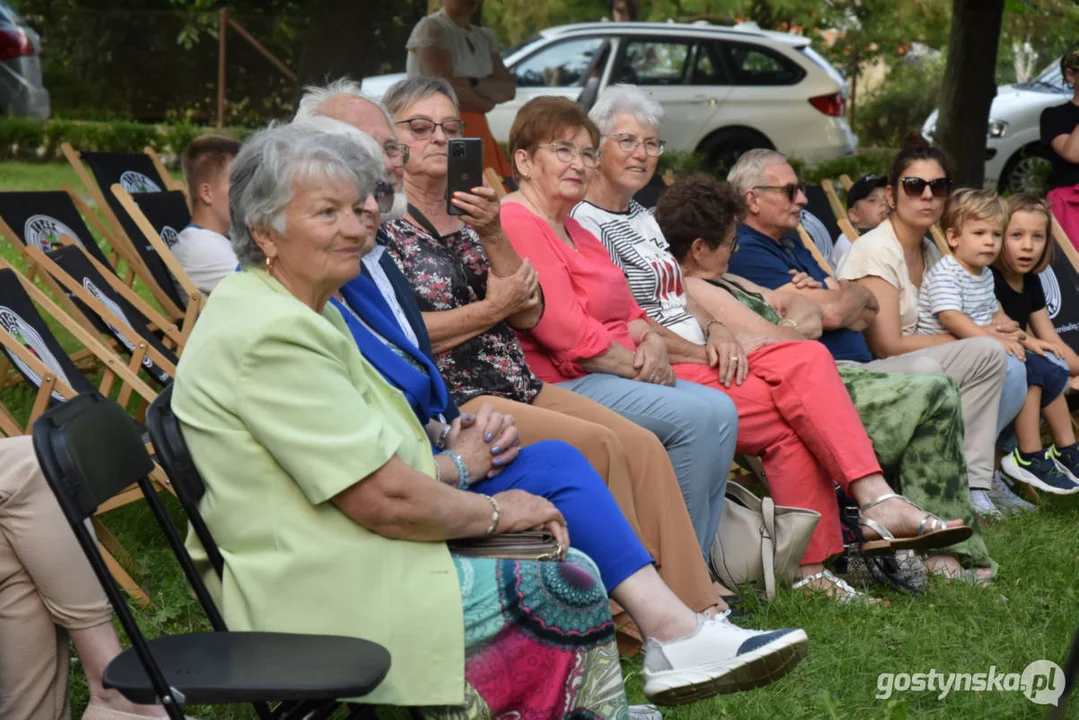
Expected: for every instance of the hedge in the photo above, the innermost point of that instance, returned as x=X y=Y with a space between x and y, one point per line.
x=22 y=139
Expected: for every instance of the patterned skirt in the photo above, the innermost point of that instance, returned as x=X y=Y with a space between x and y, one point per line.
x=539 y=642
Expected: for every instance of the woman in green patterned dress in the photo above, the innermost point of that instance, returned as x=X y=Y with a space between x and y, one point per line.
x=914 y=421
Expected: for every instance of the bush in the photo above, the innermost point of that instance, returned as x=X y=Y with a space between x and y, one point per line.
x=869 y=160
x=22 y=139
x=906 y=99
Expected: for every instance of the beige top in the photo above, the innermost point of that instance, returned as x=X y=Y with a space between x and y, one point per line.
x=879 y=254
x=471 y=48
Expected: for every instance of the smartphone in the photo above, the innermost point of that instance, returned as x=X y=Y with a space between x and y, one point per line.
x=465 y=169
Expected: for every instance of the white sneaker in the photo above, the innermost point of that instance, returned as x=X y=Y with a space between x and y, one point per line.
x=983 y=505
x=718 y=658
x=1004 y=499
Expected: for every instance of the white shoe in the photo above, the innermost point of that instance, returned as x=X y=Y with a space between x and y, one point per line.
x=983 y=505
x=1004 y=499
x=718 y=658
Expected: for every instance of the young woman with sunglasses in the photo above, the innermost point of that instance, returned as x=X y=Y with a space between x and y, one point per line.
x=891 y=261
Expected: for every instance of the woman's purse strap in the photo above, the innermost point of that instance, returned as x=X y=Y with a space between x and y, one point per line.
x=424 y=223
x=768 y=546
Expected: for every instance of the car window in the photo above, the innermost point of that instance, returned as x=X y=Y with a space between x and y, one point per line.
x=655 y=62
x=563 y=64
x=708 y=68
x=758 y=65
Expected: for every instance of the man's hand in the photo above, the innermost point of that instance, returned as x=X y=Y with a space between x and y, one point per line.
x=802 y=281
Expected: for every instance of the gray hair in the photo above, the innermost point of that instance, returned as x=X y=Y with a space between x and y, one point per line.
x=404 y=93
x=268 y=164
x=314 y=96
x=750 y=168
x=625 y=99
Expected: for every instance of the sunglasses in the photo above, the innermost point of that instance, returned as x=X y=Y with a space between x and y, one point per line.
x=915 y=186
x=791 y=190
x=383 y=195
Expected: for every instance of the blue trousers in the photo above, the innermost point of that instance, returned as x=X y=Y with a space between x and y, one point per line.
x=1050 y=372
x=1013 y=395
x=697 y=425
x=558 y=472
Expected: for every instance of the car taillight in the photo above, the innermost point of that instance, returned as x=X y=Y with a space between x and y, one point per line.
x=14 y=43
x=833 y=104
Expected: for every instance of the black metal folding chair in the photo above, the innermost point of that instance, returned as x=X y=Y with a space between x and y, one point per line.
x=89 y=449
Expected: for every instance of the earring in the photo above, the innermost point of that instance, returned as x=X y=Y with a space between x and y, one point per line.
x=269 y=264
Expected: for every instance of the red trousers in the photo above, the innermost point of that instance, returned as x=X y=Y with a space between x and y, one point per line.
x=795 y=413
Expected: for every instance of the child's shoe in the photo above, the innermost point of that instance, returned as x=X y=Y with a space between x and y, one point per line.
x=1039 y=470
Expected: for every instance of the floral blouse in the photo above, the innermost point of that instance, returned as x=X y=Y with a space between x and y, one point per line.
x=451 y=272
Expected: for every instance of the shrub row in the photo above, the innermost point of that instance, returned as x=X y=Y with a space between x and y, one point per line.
x=22 y=139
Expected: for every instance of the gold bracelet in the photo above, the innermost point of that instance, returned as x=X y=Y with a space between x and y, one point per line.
x=495 y=516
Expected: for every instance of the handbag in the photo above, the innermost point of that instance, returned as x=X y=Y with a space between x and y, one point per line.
x=759 y=541
x=524 y=545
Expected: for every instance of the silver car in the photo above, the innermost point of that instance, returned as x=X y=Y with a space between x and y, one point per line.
x=21 y=91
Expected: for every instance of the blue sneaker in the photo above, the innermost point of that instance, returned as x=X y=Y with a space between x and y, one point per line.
x=1039 y=470
x=1067 y=459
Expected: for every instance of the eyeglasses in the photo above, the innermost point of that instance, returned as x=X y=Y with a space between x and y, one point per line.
x=566 y=152
x=383 y=195
x=915 y=186
x=422 y=128
x=396 y=150
x=628 y=143
x=791 y=190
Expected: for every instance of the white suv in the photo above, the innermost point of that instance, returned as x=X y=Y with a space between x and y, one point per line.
x=725 y=90
x=1013 y=140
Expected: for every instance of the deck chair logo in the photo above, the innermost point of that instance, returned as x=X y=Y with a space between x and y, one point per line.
x=46 y=233
x=1051 y=289
x=169 y=236
x=136 y=182
x=29 y=338
x=115 y=309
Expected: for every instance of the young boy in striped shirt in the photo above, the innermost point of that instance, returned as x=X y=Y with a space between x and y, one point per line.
x=958 y=297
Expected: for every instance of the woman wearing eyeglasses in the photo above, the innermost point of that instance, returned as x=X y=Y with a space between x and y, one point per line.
x=594 y=338
x=473 y=290
x=445 y=44
x=891 y=261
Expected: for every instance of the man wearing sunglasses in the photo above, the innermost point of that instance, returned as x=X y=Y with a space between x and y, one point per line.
x=342 y=100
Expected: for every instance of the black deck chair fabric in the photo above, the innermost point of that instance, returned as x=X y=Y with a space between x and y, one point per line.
x=75 y=264
x=822 y=209
x=20 y=318
x=41 y=219
x=135 y=172
x=166 y=211
x=89 y=450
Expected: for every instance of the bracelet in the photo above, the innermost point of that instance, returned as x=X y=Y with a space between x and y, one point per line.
x=496 y=515
x=788 y=321
x=708 y=328
x=440 y=443
x=462 y=469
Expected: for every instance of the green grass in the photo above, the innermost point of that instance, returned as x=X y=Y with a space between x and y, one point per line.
x=1029 y=613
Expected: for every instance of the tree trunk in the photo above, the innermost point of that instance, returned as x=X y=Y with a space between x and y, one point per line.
x=969 y=86
x=357 y=39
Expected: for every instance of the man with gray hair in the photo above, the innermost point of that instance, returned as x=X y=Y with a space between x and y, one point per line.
x=769 y=255
x=342 y=101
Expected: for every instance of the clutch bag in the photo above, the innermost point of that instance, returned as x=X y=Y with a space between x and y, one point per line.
x=524 y=545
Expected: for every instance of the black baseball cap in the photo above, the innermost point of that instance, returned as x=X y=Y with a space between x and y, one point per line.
x=863 y=186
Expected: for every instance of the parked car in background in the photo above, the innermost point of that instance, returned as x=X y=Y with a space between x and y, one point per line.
x=1015 y=159
x=725 y=89
x=21 y=91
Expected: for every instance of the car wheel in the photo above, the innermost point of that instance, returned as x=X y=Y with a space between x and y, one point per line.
x=722 y=149
x=1025 y=171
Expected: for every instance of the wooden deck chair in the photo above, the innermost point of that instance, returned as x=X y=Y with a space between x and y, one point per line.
x=136 y=173
x=495 y=181
x=27 y=341
x=820 y=207
x=811 y=246
x=846 y=182
x=163 y=172
x=159 y=218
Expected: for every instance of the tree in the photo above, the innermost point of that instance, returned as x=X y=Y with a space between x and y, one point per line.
x=969 y=86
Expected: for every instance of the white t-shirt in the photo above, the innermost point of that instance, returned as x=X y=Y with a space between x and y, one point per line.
x=207 y=256
x=636 y=245
x=950 y=286
x=879 y=254
x=470 y=48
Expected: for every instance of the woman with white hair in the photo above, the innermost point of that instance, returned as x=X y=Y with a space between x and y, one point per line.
x=340 y=495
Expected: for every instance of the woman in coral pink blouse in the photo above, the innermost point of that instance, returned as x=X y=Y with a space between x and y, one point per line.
x=793 y=409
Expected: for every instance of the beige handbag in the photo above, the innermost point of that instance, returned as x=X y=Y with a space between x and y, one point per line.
x=759 y=541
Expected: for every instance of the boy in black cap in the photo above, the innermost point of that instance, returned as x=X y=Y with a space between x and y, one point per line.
x=867 y=207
